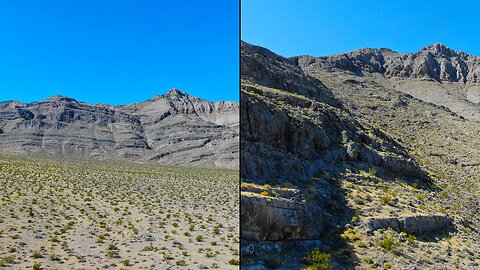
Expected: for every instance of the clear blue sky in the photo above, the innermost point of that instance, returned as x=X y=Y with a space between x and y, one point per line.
x=118 y=51
x=321 y=27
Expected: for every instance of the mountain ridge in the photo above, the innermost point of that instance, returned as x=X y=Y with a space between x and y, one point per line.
x=61 y=125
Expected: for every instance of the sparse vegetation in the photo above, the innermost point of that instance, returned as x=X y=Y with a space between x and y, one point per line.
x=114 y=209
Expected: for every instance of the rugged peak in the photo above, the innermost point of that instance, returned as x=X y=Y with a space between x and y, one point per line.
x=11 y=104
x=60 y=98
x=434 y=62
x=175 y=93
x=440 y=49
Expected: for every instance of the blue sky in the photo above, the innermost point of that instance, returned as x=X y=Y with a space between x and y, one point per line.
x=321 y=27
x=118 y=51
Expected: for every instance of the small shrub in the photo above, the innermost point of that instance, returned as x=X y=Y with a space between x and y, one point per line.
x=37 y=255
x=37 y=266
x=318 y=260
x=9 y=259
x=112 y=254
x=386 y=199
x=387 y=242
x=181 y=263
x=234 y=262
x=368 y=260
x=411 y=239
x=350 y=235
x=112 y=246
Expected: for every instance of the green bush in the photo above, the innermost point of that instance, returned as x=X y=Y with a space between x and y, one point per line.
x=37 y=266
x=181 y=263
x=411 y=239
x=368 y=260
x=387 y=242
x=318 y=260
x=37 y=255
x=386 y=199
x=9 y=259
x=234 y=262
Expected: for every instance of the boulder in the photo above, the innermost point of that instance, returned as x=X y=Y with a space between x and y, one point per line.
x=417 y=225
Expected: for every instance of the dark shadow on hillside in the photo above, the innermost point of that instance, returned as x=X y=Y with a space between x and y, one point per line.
x=290 y=253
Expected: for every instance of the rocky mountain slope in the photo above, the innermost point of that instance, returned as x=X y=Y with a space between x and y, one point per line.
x=435 y=74
x=174 y=128
x=339 y=154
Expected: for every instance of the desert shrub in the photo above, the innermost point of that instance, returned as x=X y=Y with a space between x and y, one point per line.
x=9 y=259
x=234 y=262
x=37 y=266
x=411 y=239
x=112 y=246
x=37 y=255
x=181 y=263
x=388 y=241
x=368 y=260
x=350 y=235
x=386 y=199
x=318 y=260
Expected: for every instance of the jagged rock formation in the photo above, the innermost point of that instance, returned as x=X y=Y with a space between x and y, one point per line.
x=174 y=128
x=435 y=74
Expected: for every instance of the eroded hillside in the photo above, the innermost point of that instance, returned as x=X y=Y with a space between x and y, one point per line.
x=332 y=157
x=175 y=128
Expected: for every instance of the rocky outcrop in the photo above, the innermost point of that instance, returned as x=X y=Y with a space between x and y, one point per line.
x=436 y=62
x=175 y=128
x=291 y=124
x=275 y=219
x=417 y=225
x=435 y=74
